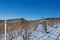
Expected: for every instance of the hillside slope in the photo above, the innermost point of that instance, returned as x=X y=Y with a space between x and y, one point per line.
x=44 y=29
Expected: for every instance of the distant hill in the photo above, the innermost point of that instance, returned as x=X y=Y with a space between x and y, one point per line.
x=21 y=23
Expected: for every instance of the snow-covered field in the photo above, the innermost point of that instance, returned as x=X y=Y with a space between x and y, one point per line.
x=37 y=34
x=41 y=35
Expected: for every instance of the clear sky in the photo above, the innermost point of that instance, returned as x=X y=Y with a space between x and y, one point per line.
x=29 y=9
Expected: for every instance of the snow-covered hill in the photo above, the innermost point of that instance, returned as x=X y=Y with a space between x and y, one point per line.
x=37 y=34
x=53 y=33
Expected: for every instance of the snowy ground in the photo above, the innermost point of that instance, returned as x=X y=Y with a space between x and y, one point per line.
x=41 y=35
x=38 y=34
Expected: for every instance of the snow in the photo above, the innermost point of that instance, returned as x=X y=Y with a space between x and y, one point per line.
x=2 y=37
x=53 y=35
x=40 y=28
x=38 y=34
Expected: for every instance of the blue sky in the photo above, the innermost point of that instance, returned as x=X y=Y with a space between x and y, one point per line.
x=29 y=9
